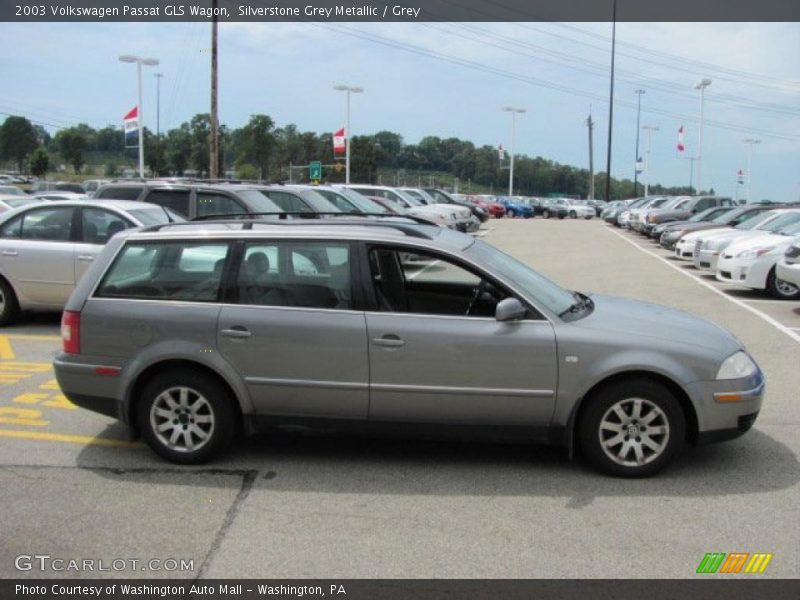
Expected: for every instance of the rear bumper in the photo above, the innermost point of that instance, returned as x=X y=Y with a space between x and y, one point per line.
x=85 y=387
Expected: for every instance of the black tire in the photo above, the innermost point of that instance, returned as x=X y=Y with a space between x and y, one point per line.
x=219 y=405
x=657 y=403
x=781 y=289
x=573 y=214
x=510 y=213
x=546 y=213
x=9 y=306
x=528 y=215
x=561 y=216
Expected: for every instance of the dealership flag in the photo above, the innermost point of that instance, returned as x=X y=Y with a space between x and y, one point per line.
x=500 y=152
x=131 y=127
x=681 y=147
x=639 y=166
x=339 y=142
x=740 y=177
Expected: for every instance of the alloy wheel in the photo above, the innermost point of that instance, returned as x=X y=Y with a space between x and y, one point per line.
x=634 y=432
x=182 y=419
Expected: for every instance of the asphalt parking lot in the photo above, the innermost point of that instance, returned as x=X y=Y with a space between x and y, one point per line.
x=73 y=487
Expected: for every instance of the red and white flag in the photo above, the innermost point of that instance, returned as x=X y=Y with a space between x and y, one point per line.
x=739 y=177
x=501 y=152
x=681 y=147
x=339 y=142
x=130 y=124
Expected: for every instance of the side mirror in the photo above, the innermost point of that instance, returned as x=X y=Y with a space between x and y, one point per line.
x=509 y=309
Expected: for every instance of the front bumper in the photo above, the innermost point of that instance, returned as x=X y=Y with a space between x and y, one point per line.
x=747 y=272
x=706 y=260
x=728 y=408
x=684 y=250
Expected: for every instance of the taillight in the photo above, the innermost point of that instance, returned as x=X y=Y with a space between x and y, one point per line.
x=71 y=331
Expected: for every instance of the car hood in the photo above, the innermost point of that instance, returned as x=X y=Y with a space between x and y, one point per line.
x=705 y=232
x=637 y=320
x=754 y=240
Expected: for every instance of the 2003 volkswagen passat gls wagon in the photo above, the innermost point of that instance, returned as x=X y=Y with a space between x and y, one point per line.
x=191 y=333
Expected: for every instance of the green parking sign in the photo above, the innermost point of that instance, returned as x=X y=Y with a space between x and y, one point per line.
x=315 y=170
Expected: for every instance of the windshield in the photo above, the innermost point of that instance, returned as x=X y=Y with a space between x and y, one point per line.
x=339 y=201
x=409 y=198
x=780 y=222
x=417 y=196
x=538 y=287
x=362 y=202
x=12 y=190
x=258 y=202
x=754 y=223
x=793 y=229
x=15 y=202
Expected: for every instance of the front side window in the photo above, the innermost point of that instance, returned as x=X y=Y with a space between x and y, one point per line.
x=296 y=274
x=120 y=193
x=423 y=283
x=177 y=271
x=98 y=225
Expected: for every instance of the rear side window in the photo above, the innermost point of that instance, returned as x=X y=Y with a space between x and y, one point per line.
x=178 y=271
x=47 y=224
x=297 y=274
x=217 y=204
x=177 y=200
x=287 y=202
x=120 y=193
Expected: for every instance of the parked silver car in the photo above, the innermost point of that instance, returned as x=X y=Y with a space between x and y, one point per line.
x=46 y=247
x=190 y=333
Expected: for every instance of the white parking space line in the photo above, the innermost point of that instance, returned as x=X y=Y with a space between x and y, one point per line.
x=792 y=332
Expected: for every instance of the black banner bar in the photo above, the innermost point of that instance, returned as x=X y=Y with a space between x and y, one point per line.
x=400 y=11
x=735 y=587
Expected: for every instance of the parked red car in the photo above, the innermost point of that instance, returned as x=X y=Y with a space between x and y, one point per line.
x=495 y=209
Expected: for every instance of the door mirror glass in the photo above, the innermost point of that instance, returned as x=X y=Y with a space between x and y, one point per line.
x=509 y=309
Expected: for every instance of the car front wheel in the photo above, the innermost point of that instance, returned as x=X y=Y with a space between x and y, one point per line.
x=9 y=307
x=781 y=289
x=573 y=214
x=510 y=213
x=546 y=214
x=632 y=428
x=186 y=416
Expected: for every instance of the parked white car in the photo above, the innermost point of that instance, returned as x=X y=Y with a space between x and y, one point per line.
x=788 y=268
x=580 y=209
x=751 y=262
x=438 y=214
x=708 y=248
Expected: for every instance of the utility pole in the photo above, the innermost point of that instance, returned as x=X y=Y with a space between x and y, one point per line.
x=590 y=125
x=702 y=85
x=158 y=104
x=636 y=158
x=750 y=143
x=611 y=102
x=213 y=167
x=649 y=129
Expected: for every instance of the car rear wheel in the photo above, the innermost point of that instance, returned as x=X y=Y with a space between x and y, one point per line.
x=9 y=306
x=632 y=428
x=186 y=416
x=546 y=214
x=573 y=214
x=781 y=289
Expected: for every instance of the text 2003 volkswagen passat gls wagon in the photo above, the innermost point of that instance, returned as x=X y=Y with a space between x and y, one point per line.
x=192 y=333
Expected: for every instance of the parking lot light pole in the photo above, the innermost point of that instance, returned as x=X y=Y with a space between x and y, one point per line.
x=702 y=85
x=514 y=112
x=150 y=62
x=649 y=129
x=636 y=158
x=347 y=90
x=750 y=143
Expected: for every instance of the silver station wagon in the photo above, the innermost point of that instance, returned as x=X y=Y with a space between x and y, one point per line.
x=193 y=333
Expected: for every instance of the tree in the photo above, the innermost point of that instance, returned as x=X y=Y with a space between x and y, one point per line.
x=17 y=139
x=178 y=147
x=39 y=162
x=257 y=142
x=71 y=144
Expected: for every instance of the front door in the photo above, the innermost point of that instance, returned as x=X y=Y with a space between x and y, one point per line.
x=438 y=355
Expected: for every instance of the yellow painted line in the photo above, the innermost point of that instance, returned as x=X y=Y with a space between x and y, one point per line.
x=68 y=438
x=34 y=367
x=42 y=338
x=6 y=351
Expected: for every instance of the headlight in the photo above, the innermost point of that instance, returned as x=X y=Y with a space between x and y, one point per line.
x=755 y=252
x=737 y=366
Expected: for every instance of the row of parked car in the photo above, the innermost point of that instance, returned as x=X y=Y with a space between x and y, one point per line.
x=528 y=207
x=753 y=245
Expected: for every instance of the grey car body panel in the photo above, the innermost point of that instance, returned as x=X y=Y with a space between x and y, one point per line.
x=336 y=364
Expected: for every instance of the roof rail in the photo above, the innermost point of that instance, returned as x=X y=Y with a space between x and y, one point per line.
x=247 y=221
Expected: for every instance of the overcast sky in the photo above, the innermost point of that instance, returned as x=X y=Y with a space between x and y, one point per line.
x=446 y=80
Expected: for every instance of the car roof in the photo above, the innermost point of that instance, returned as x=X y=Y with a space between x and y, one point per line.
x=387 y=229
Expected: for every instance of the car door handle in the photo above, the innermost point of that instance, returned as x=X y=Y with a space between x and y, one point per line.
x=388 y=341
x=10 y=253
x=236 y=332
x=85 y=257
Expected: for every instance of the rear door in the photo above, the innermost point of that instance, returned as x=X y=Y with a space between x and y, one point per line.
x=96 y=227
x=36 y=254
x=293 y=330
